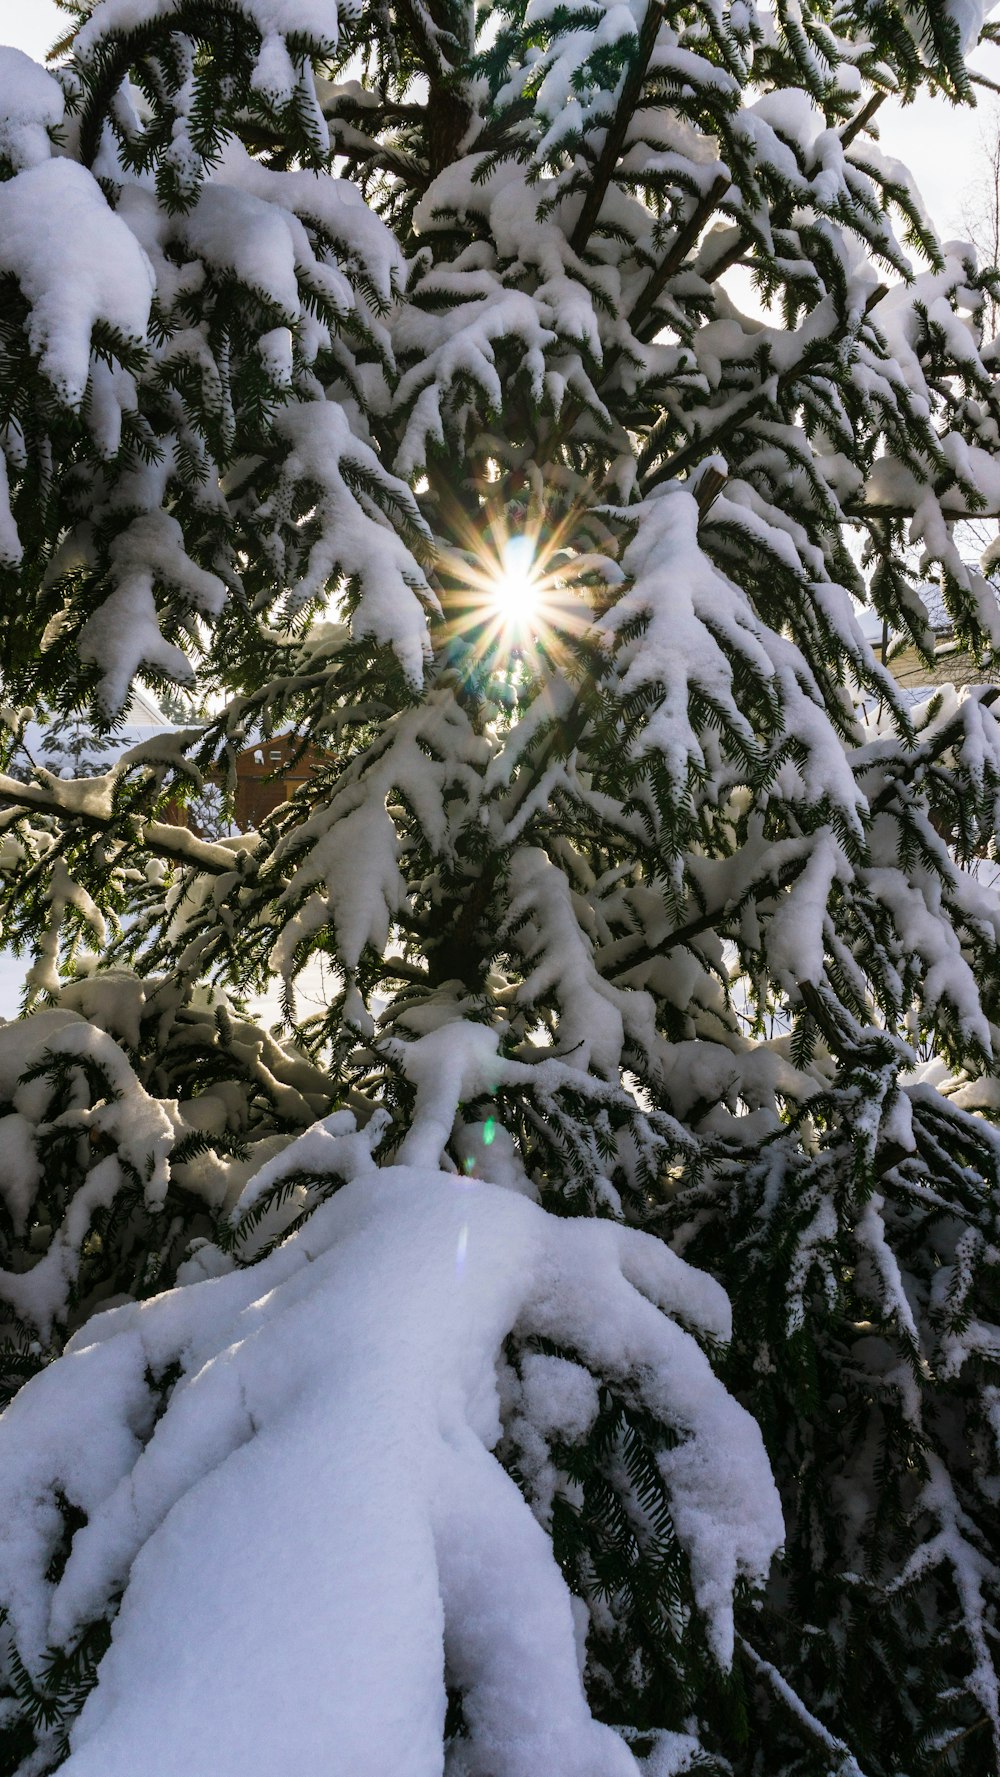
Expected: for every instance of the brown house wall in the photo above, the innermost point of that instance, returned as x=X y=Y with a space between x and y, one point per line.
x=269 y=774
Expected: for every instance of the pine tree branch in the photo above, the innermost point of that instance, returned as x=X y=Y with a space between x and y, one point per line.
x=795 y=1706
x=838 y=1041
x=385 y=160
x=457 y=948
x=854 y=514
x=731 y=256
x=767 y=393
x=710 y=486
x=123 y=47
x=684 y=240
x=396 y=968
x=690 y=454
x=764 y=888
x=944 y=1752
x=427 y=34
x=178 y=844
x=926 y=755
x=861 y=119
x=854 y=127
x=614 y=141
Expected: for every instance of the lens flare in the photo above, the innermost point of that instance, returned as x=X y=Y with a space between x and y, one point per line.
x=510 y=602
x=517 y=586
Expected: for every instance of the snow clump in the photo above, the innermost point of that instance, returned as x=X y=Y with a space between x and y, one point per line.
x=323 y=1463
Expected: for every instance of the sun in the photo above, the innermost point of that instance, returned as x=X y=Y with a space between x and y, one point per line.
x=510 y=601
x=516 y=586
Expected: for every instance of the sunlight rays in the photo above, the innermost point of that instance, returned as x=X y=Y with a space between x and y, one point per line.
x=508 y=597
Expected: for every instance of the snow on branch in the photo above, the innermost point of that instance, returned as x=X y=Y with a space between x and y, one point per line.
x=414 y=1280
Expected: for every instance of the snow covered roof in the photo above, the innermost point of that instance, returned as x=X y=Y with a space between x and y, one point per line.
x=143 y=709
x=75 y=751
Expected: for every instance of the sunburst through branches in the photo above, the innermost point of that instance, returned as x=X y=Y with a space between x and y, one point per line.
x=510 y=598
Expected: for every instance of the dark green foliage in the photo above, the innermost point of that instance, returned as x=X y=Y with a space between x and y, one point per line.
x=861 y=1265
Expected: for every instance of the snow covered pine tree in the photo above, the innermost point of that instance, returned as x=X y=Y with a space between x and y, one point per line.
x=381 y=371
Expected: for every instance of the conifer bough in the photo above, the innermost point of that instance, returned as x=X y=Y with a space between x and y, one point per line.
x=569 y=1343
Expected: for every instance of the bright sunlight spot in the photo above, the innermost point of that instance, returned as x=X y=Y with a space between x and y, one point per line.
x=509 y=599
x=517 y=585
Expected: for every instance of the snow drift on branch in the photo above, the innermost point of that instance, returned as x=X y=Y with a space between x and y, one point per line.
x=349 y=1383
